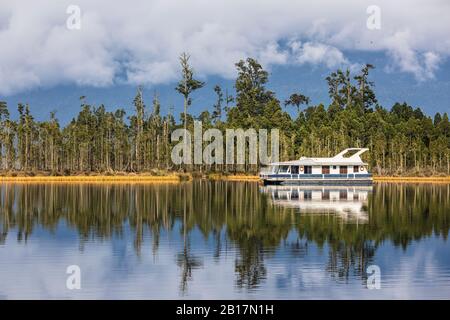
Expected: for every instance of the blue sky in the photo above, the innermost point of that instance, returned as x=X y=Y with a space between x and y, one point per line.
x=50 y=60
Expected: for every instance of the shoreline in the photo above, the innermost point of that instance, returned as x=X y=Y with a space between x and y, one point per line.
x=101 y=179
x=176 y=178
x=412 y=179
x=432 y=179
x=233 y=177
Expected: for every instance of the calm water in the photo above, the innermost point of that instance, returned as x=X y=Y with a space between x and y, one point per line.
x=224 y=240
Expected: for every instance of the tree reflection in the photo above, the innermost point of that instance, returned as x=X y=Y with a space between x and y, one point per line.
x=345 y=260
x=234 y=217
x=187 y=262
x=249 y=267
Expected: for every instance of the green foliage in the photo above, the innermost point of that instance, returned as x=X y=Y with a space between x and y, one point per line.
x=297 y=99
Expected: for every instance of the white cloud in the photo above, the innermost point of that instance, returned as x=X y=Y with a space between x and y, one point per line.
x=139 y=41
x=404 y=57
x=318 y=53
x=431 y=63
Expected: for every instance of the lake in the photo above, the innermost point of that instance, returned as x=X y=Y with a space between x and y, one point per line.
x=224 y=240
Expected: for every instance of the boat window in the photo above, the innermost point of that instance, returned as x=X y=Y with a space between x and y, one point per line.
x=355 y=169
x=325 y=169
x=334 y=167
x=294 y=169
x=308 y=169
x=283 y=169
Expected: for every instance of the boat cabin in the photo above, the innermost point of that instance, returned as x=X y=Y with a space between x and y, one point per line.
x=340 y=167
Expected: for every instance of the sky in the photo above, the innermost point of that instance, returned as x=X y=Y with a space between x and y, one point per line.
x=53 y=52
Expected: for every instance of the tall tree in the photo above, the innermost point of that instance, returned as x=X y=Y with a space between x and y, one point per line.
x=251 y=94
x=297 y=99
x=187 y=85
x=4 y=117
x=217 y=112
x=138 y=124
x=366 y=95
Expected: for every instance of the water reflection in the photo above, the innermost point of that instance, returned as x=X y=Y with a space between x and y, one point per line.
x=349 y=203
x=206 y=226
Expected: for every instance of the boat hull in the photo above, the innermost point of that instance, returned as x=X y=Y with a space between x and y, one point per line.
x=359 y=180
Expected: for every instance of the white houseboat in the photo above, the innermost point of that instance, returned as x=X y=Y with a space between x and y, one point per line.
x=339 y=169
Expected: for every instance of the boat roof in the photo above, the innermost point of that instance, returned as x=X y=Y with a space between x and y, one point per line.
x=338 y=159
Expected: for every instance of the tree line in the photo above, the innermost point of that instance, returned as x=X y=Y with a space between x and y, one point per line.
x=402 y=139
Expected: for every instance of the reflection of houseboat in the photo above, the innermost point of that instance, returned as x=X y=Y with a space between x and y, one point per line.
x=339 y=169
x=350 y=203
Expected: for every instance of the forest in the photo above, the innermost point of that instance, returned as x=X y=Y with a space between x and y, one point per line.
x=402 y=139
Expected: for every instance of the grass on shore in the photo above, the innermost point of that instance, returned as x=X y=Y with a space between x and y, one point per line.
x=172 y=177
x=131 y=178
x=432 y=179
x=233 y=177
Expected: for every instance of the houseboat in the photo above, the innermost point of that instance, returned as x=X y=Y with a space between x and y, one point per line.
x=340 y=169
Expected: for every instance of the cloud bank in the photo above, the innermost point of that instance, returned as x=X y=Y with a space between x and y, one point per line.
x=139 y=41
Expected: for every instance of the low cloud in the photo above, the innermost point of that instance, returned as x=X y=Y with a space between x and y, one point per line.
x=406 y=59
x=318 y=53
x=139 y=41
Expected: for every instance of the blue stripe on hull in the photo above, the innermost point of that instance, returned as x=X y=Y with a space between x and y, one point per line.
x=352 y=182
x=319 y=179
